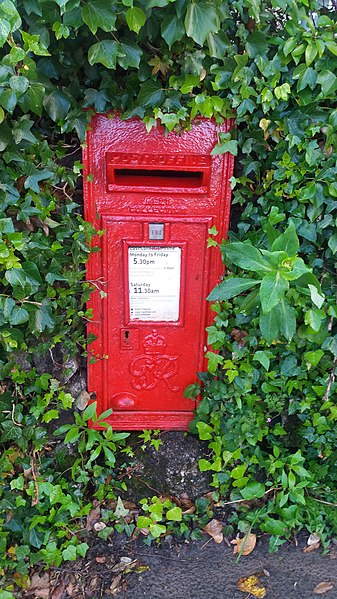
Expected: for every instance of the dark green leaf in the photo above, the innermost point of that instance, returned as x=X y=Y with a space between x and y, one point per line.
x=201 y=20
x=287 y=316
x=106 y=53
x=33 y=98
x=246 y=256
x=172 y=29
x=151 y=94
x=272 y=290
x=57 y=105
x=43 y=318
x=131 y=55
x=99 y=14
x=256 y=44
x=270 y=325
x=8 y=100
x=253 y=490
x=231 y=287
x=287 y=241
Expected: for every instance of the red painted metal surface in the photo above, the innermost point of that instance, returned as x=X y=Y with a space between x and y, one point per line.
x=155 y=197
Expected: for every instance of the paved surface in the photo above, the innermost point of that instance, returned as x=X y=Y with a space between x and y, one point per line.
x=210 y=571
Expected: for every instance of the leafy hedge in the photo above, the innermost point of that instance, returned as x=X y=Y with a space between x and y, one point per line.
x=269 y=406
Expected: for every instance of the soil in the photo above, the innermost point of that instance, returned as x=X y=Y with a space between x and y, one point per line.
x=128 y=569
x=210 y=571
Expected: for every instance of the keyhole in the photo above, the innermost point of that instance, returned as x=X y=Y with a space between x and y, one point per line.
x=126 y=334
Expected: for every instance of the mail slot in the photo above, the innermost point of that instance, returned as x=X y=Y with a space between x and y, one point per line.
x=155 y=196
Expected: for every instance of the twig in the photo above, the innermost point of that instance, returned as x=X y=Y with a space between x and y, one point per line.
x=325 y=502
x=331 y=380
x=13 y=420
x=35 y=499
x=204 y=545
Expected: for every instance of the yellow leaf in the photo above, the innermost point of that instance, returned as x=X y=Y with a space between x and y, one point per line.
x=252 y=585
x=22 y=580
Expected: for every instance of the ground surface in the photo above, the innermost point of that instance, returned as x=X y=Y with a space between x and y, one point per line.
x=211 y=571
x=127 y=569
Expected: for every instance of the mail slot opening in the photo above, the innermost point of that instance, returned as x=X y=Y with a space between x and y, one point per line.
x=157 y=178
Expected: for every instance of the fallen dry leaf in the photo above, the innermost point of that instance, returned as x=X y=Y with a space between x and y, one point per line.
x=125 y=562
x=93 y=516
x=39 y=586
x=252 y=585
x=245 y=545
x=57 y=592
x=214 y=530
x=313 y=539
x=114 y=587
x=98 y=526
x=323 y=587
x=312 y=547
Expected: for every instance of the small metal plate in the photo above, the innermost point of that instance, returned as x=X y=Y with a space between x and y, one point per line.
x=156 y=231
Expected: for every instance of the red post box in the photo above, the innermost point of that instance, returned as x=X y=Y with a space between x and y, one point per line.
x=155 y=196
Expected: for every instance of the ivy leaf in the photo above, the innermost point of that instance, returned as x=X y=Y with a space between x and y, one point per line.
x=33 y=98
x=33 y=44
x=8 y=100
x=43 y=318
x=10 y=13
x=272 y=290
x=256 y=44
x=99 y=14
x=69 y=553
x=105 y=52
x=213 y=361
x=230 y=146
x=57 y=105
x=18 y=316
x=5 y=136
x=175 y=514
x=5 y=30
x=328 y=82
x=151 y=94
x=135 y=18
x=11 y=432
x=218 y=44
x=231 y=287
x=253 y=490
x=172 y=29
x=32 y=181
x=332 y=243
x=201 y=20
x=131 y=55
x=263 y=358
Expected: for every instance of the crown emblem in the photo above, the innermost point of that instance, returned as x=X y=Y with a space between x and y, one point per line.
x=154 y=343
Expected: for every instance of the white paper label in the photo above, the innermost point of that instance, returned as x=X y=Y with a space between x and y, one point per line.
x=154 y=283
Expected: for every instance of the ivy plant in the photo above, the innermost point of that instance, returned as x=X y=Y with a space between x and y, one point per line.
x=268 y=407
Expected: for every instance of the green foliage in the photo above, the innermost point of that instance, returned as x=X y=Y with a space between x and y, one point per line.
x=269 y=400
x=164 y=517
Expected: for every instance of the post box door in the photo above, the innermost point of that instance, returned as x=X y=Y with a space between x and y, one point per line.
x=154 y=311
